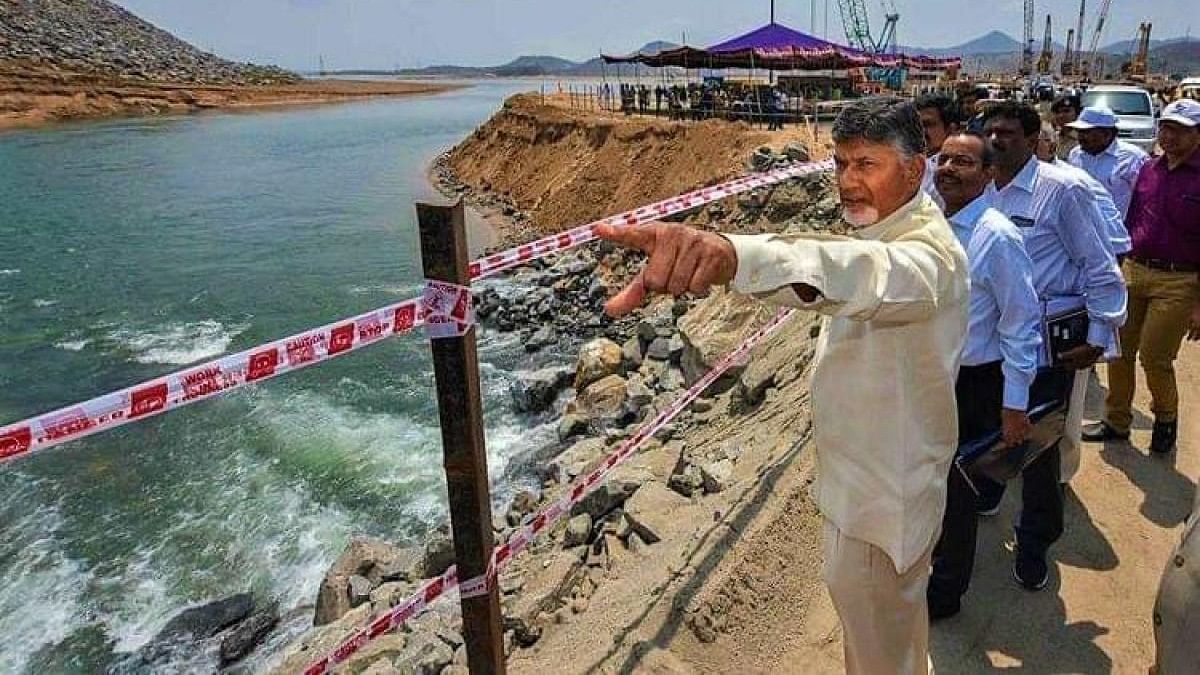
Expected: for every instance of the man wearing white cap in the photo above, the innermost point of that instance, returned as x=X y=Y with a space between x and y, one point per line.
x=1106 y=158
x=1163 y=276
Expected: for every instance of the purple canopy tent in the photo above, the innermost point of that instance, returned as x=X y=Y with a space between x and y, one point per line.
x=777 y=47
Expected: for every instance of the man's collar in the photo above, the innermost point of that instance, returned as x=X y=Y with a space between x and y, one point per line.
x=969 y=215
x=1025 y=177
x=1112 y=147
x=877 y=230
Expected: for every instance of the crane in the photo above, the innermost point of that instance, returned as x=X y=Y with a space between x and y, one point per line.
x=1138 y=68
x=1068 y=60
x=1027 y=50
x=1043 y=64
x=1096 y=65
x=1077 y=62
x=857 y=24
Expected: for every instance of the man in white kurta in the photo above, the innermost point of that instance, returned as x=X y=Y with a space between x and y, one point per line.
x=895 y=293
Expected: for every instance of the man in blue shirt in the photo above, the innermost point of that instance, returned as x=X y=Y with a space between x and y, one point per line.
x=1072 y=267
x=1000 y=358
x=1108 y=159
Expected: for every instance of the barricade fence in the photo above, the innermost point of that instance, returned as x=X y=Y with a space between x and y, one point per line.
x=444 y=310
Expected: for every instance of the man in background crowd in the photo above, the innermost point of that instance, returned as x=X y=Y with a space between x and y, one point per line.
x=1162 y=272
x=1071 y=267
x=1000 y=359
x=1063 y=111
x=1108 y=159
x=939 y=119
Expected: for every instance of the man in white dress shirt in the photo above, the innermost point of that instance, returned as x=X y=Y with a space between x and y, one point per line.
x=895 y=294
x=1000 y=359
x=1105 y=157
x=1072 y=267
x=939 y=119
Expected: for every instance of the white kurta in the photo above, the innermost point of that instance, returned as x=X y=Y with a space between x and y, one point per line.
x=884 y=412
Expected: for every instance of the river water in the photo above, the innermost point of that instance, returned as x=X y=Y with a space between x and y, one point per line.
x=130 y=249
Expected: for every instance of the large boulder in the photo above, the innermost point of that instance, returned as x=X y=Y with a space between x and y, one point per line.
x=603 y=399
x=651 y=511
x=246 y=635
x=374 y=560
x=712 y=329
x=597 y=359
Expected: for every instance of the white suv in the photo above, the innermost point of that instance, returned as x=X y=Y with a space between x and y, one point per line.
x=1136 y=122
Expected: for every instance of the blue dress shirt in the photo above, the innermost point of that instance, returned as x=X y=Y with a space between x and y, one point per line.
x=1057 y=216
x=1004 y=321
x=1116 y=169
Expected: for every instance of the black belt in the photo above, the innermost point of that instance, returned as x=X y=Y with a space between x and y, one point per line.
x=1165 y=265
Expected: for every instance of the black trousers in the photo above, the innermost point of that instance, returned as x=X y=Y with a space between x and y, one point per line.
x=980 y=393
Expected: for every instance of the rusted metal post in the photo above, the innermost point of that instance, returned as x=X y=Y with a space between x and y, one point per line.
x=456 y=371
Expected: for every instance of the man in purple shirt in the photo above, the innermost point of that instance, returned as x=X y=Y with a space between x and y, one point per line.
x=1163 y=275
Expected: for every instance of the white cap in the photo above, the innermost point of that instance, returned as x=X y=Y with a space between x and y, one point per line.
x=1185 y=111
x=1095 y=117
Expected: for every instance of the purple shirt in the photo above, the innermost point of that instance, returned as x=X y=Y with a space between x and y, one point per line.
x=1164 y=214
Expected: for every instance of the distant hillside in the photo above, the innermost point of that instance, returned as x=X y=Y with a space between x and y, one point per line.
x=524 y=66
x=97 y=36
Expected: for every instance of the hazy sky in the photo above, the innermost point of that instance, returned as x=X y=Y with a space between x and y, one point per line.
x=386 y=33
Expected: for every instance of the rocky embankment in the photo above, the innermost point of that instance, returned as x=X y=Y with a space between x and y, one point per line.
x=100 y=37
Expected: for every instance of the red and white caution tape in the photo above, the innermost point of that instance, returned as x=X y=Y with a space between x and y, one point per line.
x=515 y=257
x=544 y=519
x=227 y=373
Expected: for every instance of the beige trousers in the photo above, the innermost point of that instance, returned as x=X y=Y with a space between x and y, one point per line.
x=885 y=621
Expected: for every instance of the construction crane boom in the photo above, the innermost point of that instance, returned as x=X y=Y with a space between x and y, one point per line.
x=1047 y=56
x=1077 y=63
x=1096 y=65
x=1068 y=61
x=1027 y=50
x=857 y=24
x=1138 y=68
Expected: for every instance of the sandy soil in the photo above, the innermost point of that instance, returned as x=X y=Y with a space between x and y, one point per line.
x=31 y=98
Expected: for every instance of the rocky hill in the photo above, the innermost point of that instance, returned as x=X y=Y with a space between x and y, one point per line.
x=97 y=36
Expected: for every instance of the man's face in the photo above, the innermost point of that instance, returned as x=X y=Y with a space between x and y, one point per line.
x=1177 y=140
x=961 y=175
x=1095 y=141
x=1013 y=148
x=1063 y=116
x=1045 y=147
x=969 y=104
x=874 y=180
x=935 y=130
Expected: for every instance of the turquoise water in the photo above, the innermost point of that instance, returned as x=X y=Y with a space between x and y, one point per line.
x=130 y=249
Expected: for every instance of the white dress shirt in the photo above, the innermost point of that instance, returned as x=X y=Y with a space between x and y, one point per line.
x=884 y=414
x=1005 y=316
x=1057 y=215
x=1116 y=168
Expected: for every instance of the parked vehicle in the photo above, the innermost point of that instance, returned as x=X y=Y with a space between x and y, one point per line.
x=1136 y=120
x=1190 y=88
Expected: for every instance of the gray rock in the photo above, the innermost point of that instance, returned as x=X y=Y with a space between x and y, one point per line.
x=523 y=503
x=206 y=620
x=439 y=552
x=717 y=476
x=631 y=353
x=359 y=590
x=542 y=337
x=373 y=559
x=602 y=400
x=536 y=391
x=425 y=654
x=575 y=460
x=611 y=494
x=687 y=481
x=579 y=528
x=660 y=349
x=638 y=394
x=797 y=152
x=572 y=424
x=248 y=634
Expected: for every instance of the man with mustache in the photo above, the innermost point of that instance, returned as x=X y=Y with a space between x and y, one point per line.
x=1072 y=268
x=1001 y=355
x=895 y=294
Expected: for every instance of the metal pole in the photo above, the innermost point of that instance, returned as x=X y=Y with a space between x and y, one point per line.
x=456 y=372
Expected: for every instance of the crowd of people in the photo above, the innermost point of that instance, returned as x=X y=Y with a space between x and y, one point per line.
x=762 y=103
x=996 y=257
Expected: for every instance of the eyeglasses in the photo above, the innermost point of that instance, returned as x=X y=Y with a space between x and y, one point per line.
x=961 y=161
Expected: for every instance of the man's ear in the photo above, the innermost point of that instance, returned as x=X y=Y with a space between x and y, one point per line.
x=914 y=169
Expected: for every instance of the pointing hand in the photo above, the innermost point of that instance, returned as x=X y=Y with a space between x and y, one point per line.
x=682 y=260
